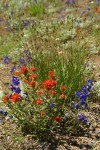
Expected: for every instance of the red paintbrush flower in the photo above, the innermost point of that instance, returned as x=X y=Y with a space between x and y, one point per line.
x=63 y=88
x=53 y=92
x=5 y=99
x=24 y=70
x=33 y=69
x=33 y=76
x=32 y=83
x=38 y=102
x=57 y=118
x=51 y=74
x=15 y=97
x=40 y=92
x=63 y=96
x=49 y=84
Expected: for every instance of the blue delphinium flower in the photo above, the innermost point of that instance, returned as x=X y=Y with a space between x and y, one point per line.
x=12 y=69
x=70 y=2
x=18 y=90
x=25 y=22
x=73 y=2
x=52 y=104
x=19 y=67
x=67 y=2
x=27 y=52
x=5 y=113
x=6 y=5
x=83 y=95
x=28 y=58
x=84 y=89
x=21 y=60
x=6 y=60
x=12 y=87
x=83 y=102
x=85 y=119
x=10 y=116
x=16 y=26
x=15 y=89
x=1 y=111
x=88 y=9
x=76 y=105
x=28 y=55
x=82 y=118
x=90 y=82
x=78 y=94
x=15 y=85
x=82 y=13
x=15 y=80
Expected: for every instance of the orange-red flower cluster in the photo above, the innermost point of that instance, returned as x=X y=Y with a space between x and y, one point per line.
x=49 y=84
x=33 y=76
x=51 y=74
x=15 y=97
x=24 y=70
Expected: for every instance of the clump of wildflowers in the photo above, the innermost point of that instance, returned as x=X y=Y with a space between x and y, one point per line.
x=42 y=105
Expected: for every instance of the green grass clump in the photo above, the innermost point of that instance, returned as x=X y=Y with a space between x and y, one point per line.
x=36 y=8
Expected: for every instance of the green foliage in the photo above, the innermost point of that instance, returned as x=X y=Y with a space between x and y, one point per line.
x=67 y=64
x=36 y=8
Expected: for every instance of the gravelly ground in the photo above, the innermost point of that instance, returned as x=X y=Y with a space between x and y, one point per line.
x=87 y=139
